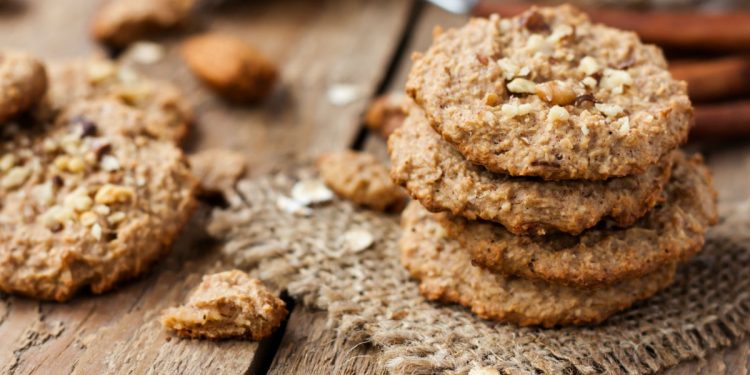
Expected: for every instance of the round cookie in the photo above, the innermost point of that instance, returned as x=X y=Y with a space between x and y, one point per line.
x=672 y=232
x=442 y=180
x=86 y=204
x=166 y=113
x=550 y=94
x=23 y=82
x=446 y=274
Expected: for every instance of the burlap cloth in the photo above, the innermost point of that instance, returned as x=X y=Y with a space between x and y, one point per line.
x=370 y=297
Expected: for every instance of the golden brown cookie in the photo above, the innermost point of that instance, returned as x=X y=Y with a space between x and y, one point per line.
x=446 y=274
x=23 y=82
x=360 y=178
x=442 y=180
x=672 y=232
x=87 y=202
x=231 y=67
x=167 y=114
x=121 y=22
x=549 y=94
x=228 y=304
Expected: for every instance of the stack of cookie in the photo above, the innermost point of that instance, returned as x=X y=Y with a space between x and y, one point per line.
x=542 y=152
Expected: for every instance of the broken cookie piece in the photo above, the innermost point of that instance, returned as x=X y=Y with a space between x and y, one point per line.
x=231 y=67
x=121 y=22
x=23 y=82
x=217 y=169
x=360 y=178
x=228 y=304
x=386 y=113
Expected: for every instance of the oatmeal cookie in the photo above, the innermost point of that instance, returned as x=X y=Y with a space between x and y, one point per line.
x=550 y=94
x=672 y=232
x=442 y=180
x=446 y=274
x=231 y=67
x=23 y=82
x=228 y=304
x=167 y=114
x=121 y=22
x=85 y=204
x=360 y=178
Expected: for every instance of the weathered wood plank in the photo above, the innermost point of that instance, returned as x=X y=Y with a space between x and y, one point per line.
x=318 y=44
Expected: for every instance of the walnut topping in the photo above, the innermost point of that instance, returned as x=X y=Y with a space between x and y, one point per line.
x=88 y=218
x=116 y=218
x=588 y=65
x=589 y=82
x=96 y=231
x=561 y=33
x=616 y=80
x=15 y=177
x=558 y=114
x=491 y=99
x=78 y=200
x=110 y=194
x=510 y=69
x=511 y=110
x=109 y=163
x=556 y=92
x=522 y=86
x=482 y=59
x=534 y=22
x=7 y=162
x=624 y=125
x=609 y=110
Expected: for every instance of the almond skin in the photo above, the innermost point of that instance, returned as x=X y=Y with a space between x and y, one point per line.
x=231 y=67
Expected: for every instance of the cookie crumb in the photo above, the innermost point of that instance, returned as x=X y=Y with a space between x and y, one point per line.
x=359 y=177
x=343 y=94
x=386 y=113
x=234 y=69
x=228 y=304
x=121 y=22
x=357 y=240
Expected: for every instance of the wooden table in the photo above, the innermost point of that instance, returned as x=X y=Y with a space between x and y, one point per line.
x=319 y=44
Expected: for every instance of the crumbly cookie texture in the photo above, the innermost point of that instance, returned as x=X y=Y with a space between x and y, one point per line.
x=550 y=94
x=386 y=113
x=86 y=204
x=166 y=113
x=228 y=304
x=442 y=180
x=362 y=179
x=671 y=232
x=446 y=274
x=217 y=169
x=231 y=67
x=121 y=22
x=23 y=82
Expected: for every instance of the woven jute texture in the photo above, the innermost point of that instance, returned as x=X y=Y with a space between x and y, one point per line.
x=370 y=297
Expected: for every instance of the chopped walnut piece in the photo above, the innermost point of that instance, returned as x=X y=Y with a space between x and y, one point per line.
x=360 y=178
x=556 y=92
x=228 y=304
x=522 y=86
x=534 y=22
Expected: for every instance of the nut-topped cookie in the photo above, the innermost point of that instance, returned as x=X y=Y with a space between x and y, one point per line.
x=87 y=202
x=23 y=82
x=445 y=273
x=550 y=94
x=672 y=232
x=166 y=113
x=440 y=178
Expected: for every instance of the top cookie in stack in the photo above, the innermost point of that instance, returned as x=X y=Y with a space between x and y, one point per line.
x=546 y=146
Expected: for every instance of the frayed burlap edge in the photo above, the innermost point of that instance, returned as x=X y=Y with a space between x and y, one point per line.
x=370 y=297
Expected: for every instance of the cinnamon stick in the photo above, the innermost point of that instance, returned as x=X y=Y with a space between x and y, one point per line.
x=683 y=29
x=714 y=79
x=726 y=120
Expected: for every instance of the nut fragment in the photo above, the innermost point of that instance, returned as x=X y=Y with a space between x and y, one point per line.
x=616 y=80
x=534 y=22
x=522 y=86
x=558 y=114
x=556 y=92
x=110 y=194
x=588 y=65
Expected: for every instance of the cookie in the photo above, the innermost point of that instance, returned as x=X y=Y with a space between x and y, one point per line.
x=360 y=178
x=217 y=169
x=672 y=232
x=446 y=274
x=87 y=202
x=228 y=304
x=550 y=94
x=23 y=82
x=386 y=114
x=120 y=22
x=442 y=180
x=166 y=113
x=231 y=67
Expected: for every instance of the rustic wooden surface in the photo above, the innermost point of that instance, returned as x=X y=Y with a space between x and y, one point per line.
x=363 y=44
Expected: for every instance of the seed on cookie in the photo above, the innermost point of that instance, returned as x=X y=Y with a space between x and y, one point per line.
x=230 y=66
